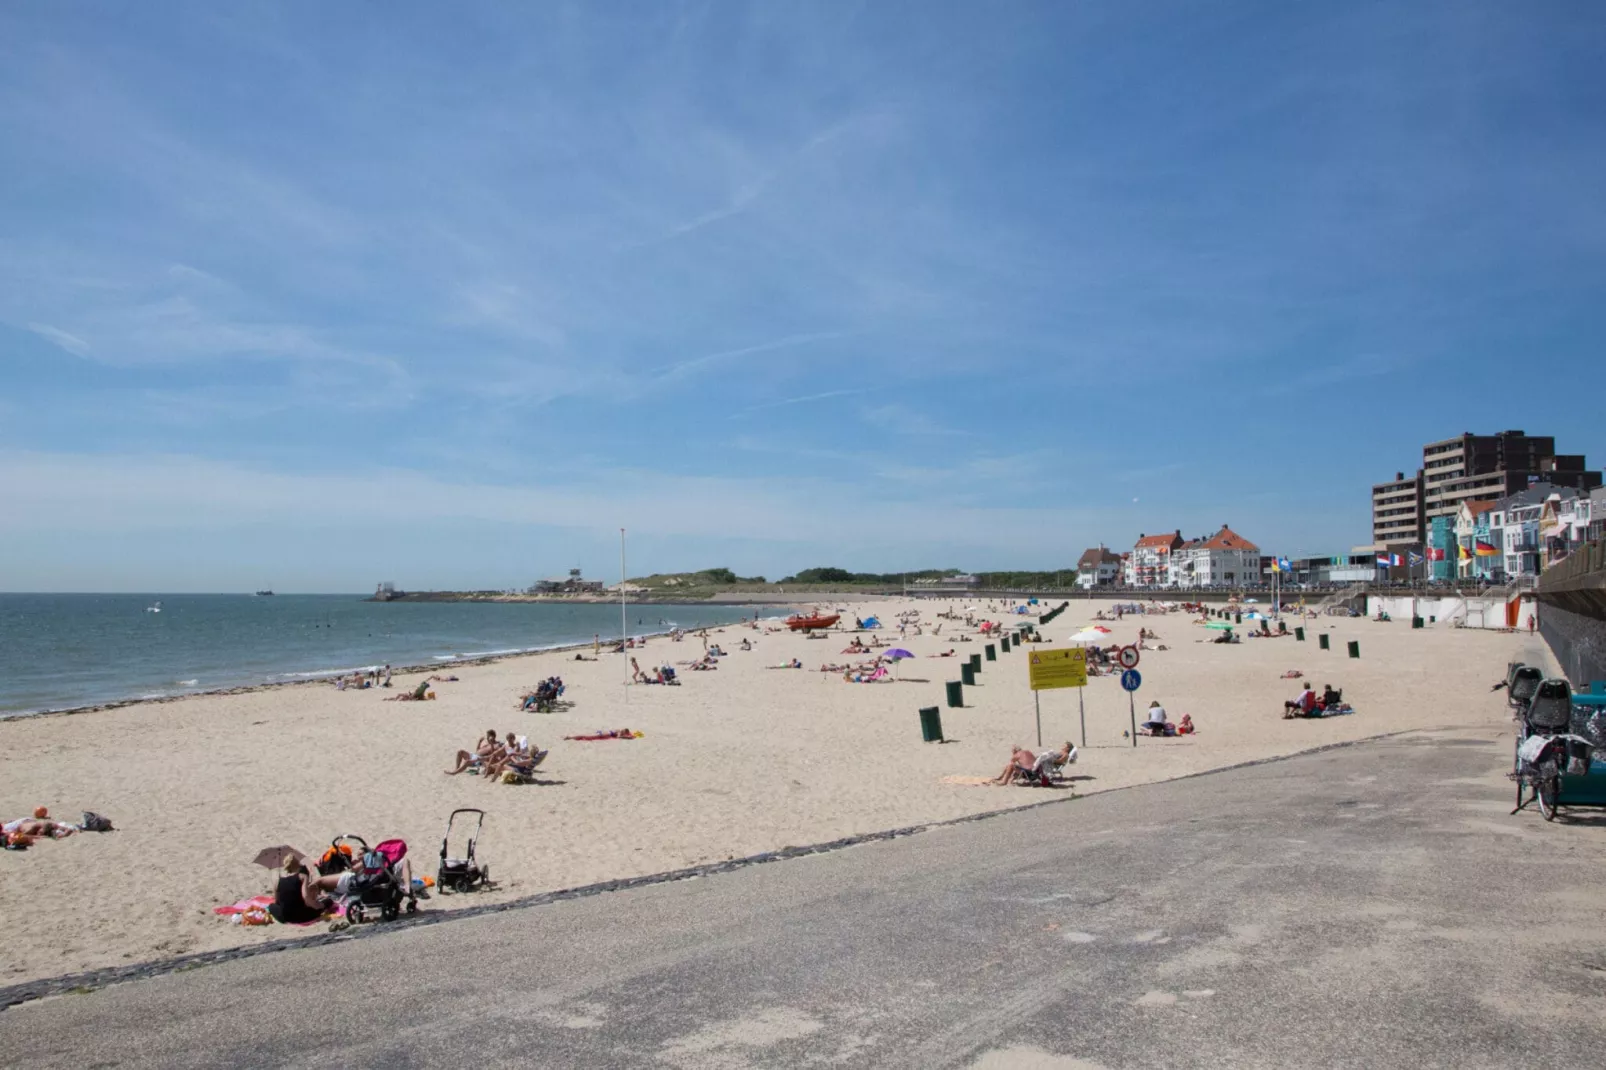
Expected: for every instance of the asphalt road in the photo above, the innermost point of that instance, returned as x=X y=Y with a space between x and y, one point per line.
x=1367 y=906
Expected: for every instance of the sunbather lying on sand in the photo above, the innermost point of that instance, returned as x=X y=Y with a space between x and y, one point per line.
x=793 y=664
x=36 y=826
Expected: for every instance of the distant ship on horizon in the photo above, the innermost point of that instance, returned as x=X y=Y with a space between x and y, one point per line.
x=263 y=594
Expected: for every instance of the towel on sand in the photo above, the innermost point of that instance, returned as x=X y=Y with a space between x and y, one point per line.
x=254 y=911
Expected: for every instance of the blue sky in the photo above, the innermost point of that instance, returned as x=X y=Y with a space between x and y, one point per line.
x=318 y=295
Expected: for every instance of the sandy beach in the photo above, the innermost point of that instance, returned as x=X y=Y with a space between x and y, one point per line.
x=733 y=762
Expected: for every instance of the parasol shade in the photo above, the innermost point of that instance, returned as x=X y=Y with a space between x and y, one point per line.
x=273 y=857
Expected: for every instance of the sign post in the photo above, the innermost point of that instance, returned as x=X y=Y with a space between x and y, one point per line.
x=1051 y=669
x=1131 y=679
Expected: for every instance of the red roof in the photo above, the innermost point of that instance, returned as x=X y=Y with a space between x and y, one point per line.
x=1158 y=540
x=1097 y=556
x=1228 y=539
x=1479 y=507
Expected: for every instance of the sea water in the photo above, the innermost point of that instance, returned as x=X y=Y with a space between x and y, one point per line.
x=62 y=651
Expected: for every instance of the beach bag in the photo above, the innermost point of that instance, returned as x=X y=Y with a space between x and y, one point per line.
x=94 y=822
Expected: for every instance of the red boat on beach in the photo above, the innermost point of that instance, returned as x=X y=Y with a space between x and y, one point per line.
x=804 y=624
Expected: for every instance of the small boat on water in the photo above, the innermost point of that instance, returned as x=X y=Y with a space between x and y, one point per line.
x=264 y=594
x=799 y=623
x=154 y=607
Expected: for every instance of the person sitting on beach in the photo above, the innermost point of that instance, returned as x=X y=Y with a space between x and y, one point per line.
x=1303 y=706
x=487 y=746
x=1331 y=699
x=745 y=644
x=1156 y=724
x=301 y=895
x=1185 y=726
x=417 y=694
x=1022 y=763
x=516 y=757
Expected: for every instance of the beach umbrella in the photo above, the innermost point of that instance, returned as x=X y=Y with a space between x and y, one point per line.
x=1089 y=635
x=895 y=655
x=273 y=857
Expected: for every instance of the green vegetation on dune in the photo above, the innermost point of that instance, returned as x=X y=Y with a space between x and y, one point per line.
x=827 y=578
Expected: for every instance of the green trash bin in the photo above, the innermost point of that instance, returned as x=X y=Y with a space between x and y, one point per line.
x=991 y=652
x=1004 y=644
x=975 y=663
x=1416 y=622
x=1299 y=634
x=1322 y=641
x=967 y=674
x=956 y=695
x=1237 y=618
x=1354 y=648
x=1432 y=619
x=930 y=724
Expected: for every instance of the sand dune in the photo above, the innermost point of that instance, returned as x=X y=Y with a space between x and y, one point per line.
x=734 y=762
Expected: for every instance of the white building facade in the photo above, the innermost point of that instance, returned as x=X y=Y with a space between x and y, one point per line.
x=1225 y=559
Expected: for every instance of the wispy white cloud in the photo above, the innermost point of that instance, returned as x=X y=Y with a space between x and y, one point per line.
x=900 y=418
x=681 y=368
x=142 y=493
x=70 y=342
x=800 y=400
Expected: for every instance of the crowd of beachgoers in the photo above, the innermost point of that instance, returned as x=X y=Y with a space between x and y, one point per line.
x=740 y=739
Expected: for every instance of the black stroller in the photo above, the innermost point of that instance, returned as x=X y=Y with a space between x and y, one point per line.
x=374 y=883
x=462 y=874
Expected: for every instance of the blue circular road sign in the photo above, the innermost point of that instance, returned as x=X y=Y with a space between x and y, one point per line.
x=1131 y=679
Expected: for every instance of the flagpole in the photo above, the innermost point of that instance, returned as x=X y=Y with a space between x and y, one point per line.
x=624 y=620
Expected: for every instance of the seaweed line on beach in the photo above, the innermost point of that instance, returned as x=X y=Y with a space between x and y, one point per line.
x=92 y=980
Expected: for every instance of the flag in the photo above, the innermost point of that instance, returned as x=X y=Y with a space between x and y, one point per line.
x=1483 y=549
x=1286 y=566
x=1416 y=558
x=1465 y=553
x=1275 y=565
x=1394 y=559
x=1435 y=554
x=1383 y=559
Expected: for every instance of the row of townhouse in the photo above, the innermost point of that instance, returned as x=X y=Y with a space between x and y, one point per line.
x=1522 y=534
x=1225 y=559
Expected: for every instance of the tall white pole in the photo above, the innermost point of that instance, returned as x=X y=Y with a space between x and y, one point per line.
x=624 y=621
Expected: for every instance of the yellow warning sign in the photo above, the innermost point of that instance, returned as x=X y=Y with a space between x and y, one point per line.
x=1057 y=668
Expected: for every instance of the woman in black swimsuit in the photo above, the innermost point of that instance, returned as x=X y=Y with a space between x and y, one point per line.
x=299 y=895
